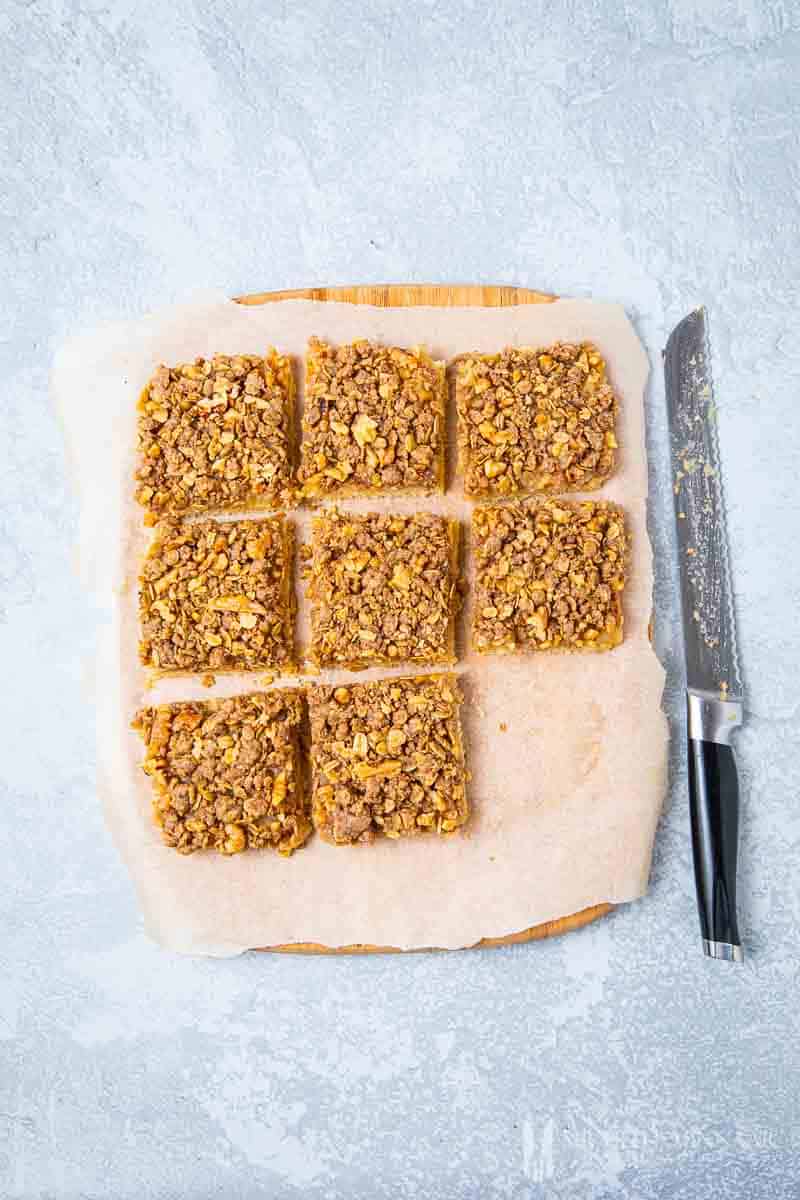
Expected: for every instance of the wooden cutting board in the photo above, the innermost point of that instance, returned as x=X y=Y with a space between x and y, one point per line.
x=399 y=295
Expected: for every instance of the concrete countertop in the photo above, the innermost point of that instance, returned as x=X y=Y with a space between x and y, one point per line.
x=641 y=152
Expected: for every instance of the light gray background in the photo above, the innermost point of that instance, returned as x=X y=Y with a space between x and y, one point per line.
x=634 y=151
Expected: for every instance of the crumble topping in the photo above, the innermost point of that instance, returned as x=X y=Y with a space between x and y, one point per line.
x=216 y=596
x=383 y=589
x=216 y=433
x=387 y=758
x=225 y=773
x=549 y=573
x=535 y=421
x=374 y=420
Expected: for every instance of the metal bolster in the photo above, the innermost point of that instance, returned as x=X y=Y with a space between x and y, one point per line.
x=726 y=951
x=712 y=719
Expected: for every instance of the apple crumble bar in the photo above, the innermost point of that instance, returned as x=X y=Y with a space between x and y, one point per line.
x=217 y=596
x=387 y=758
x=374 y=420
x=535 y=421
x=549 y=573
x=216 y=433
x=383 y=589
x=226 y=773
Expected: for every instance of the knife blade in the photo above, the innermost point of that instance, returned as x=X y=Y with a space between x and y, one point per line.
x=714 y=691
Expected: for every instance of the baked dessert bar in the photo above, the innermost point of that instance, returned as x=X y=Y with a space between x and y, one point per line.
x=548 y=573
x=383 y=589
x=387 y=758
x=374 y=420
x=535 y=421
x=226 y=773
x=215 y=434
x=217 y=596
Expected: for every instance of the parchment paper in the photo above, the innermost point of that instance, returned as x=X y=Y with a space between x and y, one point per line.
x=565 y=799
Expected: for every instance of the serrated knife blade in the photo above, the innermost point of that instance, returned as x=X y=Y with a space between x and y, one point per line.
x=709 y=628
x=713 y=678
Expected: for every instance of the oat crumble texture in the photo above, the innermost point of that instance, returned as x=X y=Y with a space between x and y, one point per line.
x=387 y=759
x=535 y=421
x=374 y=420
x=217 y=596
x=383 y=589
x=225 y=773
x=215 y=434
x=548 y=574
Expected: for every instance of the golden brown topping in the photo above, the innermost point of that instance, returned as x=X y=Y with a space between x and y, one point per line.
x=225 y=773
x=374 y=420
x=383 y=589
x=388 y=759
x=217 y=595
x=216 y=433
x=535 y=421
x=549 y=573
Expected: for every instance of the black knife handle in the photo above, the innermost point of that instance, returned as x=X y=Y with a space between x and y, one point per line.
x=714 y=804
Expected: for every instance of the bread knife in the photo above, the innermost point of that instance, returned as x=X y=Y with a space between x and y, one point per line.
x=714 y=692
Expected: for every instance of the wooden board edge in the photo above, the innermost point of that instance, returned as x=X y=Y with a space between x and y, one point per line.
x=534 y=934
x=435 y=295
x=401 y=295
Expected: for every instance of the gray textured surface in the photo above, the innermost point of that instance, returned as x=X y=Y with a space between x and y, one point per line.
x=634 y=151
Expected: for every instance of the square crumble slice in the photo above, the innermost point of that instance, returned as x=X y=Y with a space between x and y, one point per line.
x=535 y=421
x=216 y=433
x=387 y=758
x=374 y=420
x=383 y=589
x=217 y=596
x=549 y=573
x=226 y=773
